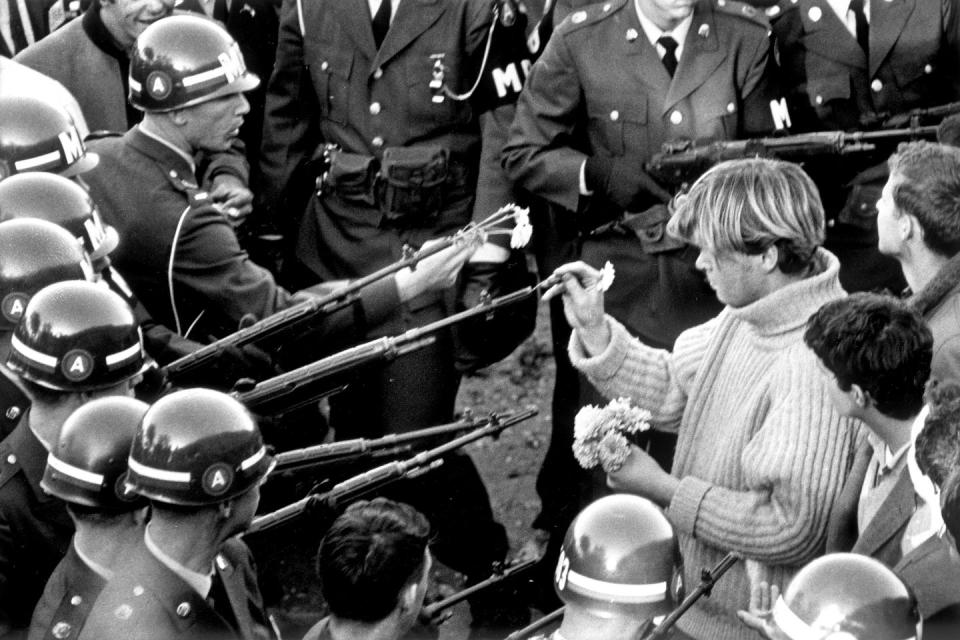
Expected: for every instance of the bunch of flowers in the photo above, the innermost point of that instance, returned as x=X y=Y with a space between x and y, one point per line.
x=492 y=225
x=603 y=435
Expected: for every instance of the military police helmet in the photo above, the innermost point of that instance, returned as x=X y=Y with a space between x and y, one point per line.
x=37 y=135
x=33 y=254
x=51 y=197
x=183 y=60
x=77 y=336
x=846 y=596
x=197 y=447
x=619 y=558
x=88 y=464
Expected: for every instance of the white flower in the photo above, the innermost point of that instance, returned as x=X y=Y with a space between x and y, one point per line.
x=522 y=230
x=606 y=276
x=613 y=451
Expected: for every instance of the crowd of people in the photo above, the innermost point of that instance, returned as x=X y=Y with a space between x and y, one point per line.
x=173 y=173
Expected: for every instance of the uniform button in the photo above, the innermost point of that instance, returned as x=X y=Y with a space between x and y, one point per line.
x=876 y=85
x=173 y=174
x=831 y=223
x=614 y=115
x=377 y=142
x=731 y=107
x=138 y=590
x=12 y=413
x=61 y=630
x=183 y=609
x=123 y=612
x=606 y=7
x=324 y=66
x=76 y=601
x=11 y=459
x=377 y=73
x=374 y=108
x=676 y=117
x=818 y=99
x=928 y=68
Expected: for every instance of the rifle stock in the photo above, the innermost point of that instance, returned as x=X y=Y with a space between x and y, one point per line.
x=377 y=477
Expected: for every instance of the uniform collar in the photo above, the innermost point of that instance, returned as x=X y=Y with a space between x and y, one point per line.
x=165 y=148
x=98 y=569
x=199 y=582
x=31 y=455
x=653 y=32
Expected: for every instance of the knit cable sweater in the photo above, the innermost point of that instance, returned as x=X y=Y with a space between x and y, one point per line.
x=761 y=452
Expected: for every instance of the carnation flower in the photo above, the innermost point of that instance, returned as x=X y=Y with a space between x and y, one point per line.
x=601 y=434
x=606 y=276
x=522 y=230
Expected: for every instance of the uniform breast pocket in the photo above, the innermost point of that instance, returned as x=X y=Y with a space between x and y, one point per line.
x=619 y=127
x=429 y=107
x=823 y=91
x=914 y=75
x=330 y=71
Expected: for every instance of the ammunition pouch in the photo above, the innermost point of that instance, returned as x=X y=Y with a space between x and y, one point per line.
x=411 y=185
x=351 y=176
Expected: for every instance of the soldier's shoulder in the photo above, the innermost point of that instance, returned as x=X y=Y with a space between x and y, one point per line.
x=9 y=467
x=743 y=14
x=591 y=15
x=776 y=10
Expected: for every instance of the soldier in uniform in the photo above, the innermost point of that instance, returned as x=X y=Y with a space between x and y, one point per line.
x=76 y=341
x=86 y=469
x=587 y=120
x=199 y=459
x=370 y=85
x=33 y=254
x=845 y=65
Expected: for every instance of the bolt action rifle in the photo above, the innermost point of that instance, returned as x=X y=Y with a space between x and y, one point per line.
x=329 y=375
x=681 y=163
x=330 y=501
x=392 y=446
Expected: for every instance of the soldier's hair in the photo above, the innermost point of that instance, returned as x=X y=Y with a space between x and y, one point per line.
x=750 y=204
x=938 y=443
x=927 y=187
x=877 y=343
x=372 y=551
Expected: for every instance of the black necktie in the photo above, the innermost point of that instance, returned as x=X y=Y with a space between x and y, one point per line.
x=17 y=32
x=670 y=57
x=381 y=22
x=220 y=11
x=863 y=27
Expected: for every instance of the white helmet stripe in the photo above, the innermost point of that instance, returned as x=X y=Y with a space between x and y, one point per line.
x=203 y=76
x=254 y=459
x=38 y=161
x=182 y=477
x=620 y=592
x=41 y=359
x=135 y=86
x=120 y=357
x=76 y=473
x=795 y=628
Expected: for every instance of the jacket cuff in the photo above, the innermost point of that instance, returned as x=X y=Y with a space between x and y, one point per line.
x=607 y=363
x=686 y=501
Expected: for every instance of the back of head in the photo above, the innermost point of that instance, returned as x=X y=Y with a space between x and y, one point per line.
x=746 y=206
x=619 y=559
x=38 y=135
x=877 y=343
x=370 y=554
x=846 y=596
x=938 y=443
x=926 y=185
x=950 y=505
x=183 y=60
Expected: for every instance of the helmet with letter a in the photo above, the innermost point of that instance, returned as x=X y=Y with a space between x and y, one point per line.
x=76 y=337
x=34 y=254
x=197 y=447
x=846 y=596
x=183 y=60
x=40 y=135
x=62 y=201
x=87 y=466
x=619 y=559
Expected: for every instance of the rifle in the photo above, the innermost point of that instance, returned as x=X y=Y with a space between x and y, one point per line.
x=708 y=578
x=915 y=117
x=391 y=445
x=375 y=478
x=305 y=384
x=537 y=625
x=683 y=162
x=501 y=574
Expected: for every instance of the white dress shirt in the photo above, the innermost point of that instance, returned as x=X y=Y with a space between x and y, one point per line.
x=842 y=9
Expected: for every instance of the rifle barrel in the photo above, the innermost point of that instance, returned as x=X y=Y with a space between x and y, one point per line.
x=537 y=625
x=431 y=610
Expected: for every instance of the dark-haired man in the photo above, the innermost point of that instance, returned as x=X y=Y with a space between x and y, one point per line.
x=373 y=566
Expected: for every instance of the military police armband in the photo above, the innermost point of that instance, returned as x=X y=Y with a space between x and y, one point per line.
x=510 y=56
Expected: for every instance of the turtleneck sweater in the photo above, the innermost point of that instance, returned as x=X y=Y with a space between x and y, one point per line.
x=761 y=452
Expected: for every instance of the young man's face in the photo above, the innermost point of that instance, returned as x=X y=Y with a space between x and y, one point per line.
x=737 y=278
x=127 y=19
x=667 y=14
x=890 y=239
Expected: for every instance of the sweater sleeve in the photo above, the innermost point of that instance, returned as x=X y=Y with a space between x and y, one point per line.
x=793 y=469
x=654 y=379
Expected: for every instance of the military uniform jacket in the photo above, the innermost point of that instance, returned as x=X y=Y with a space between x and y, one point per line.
x=67 y=599
x=332 y=85
x=600 y=73
x=35 y=529
x=829 y=81
x=13 y=403
x=147 y=601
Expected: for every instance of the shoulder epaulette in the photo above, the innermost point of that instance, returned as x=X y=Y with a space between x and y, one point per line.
x=100 y=134
x=745 y=11
x=590 y=15
x=776 y=10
